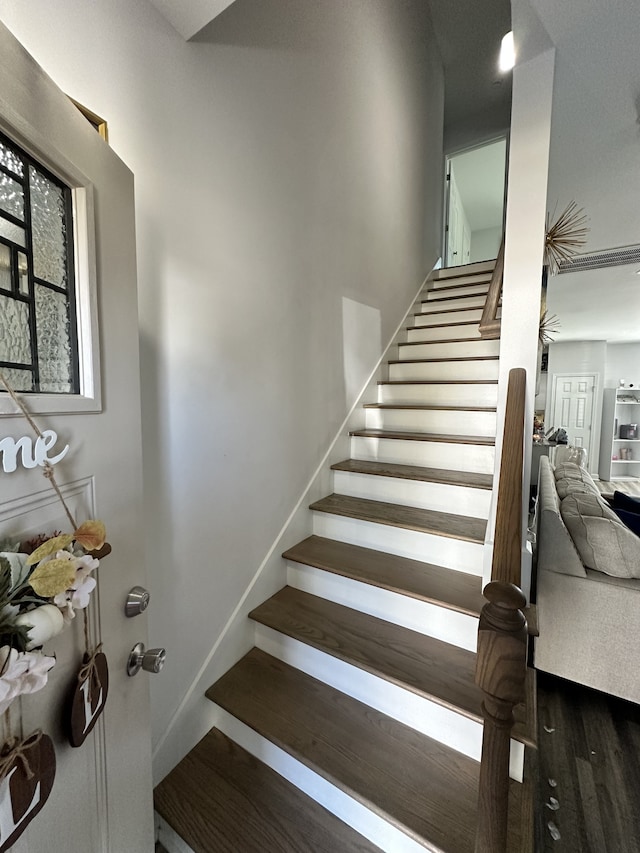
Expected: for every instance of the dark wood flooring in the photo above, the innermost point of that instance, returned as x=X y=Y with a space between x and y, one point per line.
x=593 y=755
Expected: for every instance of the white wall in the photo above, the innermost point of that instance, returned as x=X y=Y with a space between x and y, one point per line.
x=288 y=174
x=576 y=357
x=623 y=362
x=485 y=243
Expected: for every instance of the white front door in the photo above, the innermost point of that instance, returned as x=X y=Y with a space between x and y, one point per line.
x=572 y=408
x=101 y=801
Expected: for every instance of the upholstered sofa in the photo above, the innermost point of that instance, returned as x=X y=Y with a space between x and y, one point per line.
x=587 y=585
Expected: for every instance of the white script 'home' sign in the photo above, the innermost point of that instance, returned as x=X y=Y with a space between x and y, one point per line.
x=31 y=454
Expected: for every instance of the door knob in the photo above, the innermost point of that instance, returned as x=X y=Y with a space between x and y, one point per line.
x=137 y=601
x=151 y=660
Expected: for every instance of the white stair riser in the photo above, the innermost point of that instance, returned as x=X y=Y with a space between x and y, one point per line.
x=425 y=617
x=419 y=713
x=440 y=497
x=444 y=370
x=169 y=838
x=426 y=547
x=348 y=809
x=477 y=289
x=439 y=395
x=448 y=349
x=458 y=302
x=442 y=333
x=476 y=268
x=444 y=316
x=425 y=716
x=431 y=454
x=436 y=420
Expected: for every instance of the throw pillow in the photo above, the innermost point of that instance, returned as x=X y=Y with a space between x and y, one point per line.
x=603 y=542
x=626 y=502
x=629 y=519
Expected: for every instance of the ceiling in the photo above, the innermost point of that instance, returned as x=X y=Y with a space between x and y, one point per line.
x=477 y=96
x=596 y=305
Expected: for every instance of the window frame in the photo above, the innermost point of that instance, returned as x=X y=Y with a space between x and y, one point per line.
x=85 y=306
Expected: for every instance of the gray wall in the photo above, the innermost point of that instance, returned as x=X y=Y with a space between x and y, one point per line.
x=288 y=173
x=595 y=156
x=623 y=362
x=577 y=357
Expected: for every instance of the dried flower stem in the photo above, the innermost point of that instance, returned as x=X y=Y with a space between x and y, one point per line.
x=565 y=236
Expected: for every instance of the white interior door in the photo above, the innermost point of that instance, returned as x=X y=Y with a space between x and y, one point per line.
x=572 y=408
x=455 y=224
x=458 y=230
x=101 y=800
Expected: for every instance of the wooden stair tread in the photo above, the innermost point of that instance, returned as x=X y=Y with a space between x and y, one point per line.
x=447 y=359
x=221 y=798
x=461 y=527
x=478 y=288
x=483 y=280
x=438 y=382
x=426 y=789
x=475 y=268
x=425 y=408
x=416 y=472
x=483 y=440
x=449 y=311
x=429 y=667
x=426 y=666
x=452 y=298
x=424 y=581
x=441 y=341
x=442 y=325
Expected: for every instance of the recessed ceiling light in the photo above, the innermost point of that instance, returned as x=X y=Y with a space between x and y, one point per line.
x=507 y=53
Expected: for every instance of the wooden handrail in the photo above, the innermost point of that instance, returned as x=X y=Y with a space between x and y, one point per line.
x=507 y=540
x=501 y=660
x=490 y=322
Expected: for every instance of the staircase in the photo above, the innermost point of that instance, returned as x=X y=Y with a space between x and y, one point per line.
x=360 y=690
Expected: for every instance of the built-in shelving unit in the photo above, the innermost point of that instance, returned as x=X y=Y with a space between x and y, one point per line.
x=621 y=406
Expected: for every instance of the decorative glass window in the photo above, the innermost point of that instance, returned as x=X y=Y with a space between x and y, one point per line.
x=38 y=327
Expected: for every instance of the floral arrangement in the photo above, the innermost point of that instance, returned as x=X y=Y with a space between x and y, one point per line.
x=42 y=585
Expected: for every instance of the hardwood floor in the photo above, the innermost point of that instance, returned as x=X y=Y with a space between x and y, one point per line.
x=629 y=487
x=593 y=754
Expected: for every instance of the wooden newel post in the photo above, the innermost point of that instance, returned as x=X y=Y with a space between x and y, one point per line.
x=500 y=673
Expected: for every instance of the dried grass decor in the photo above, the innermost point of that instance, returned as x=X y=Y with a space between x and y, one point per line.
x=565 y=237
x=549 y=326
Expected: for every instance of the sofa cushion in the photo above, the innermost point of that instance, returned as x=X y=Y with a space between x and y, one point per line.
x=569 y=471
x=555 y=549
x=567 y=486
x=603 y=542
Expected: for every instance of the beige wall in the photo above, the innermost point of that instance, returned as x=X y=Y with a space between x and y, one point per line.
x=288 y=180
